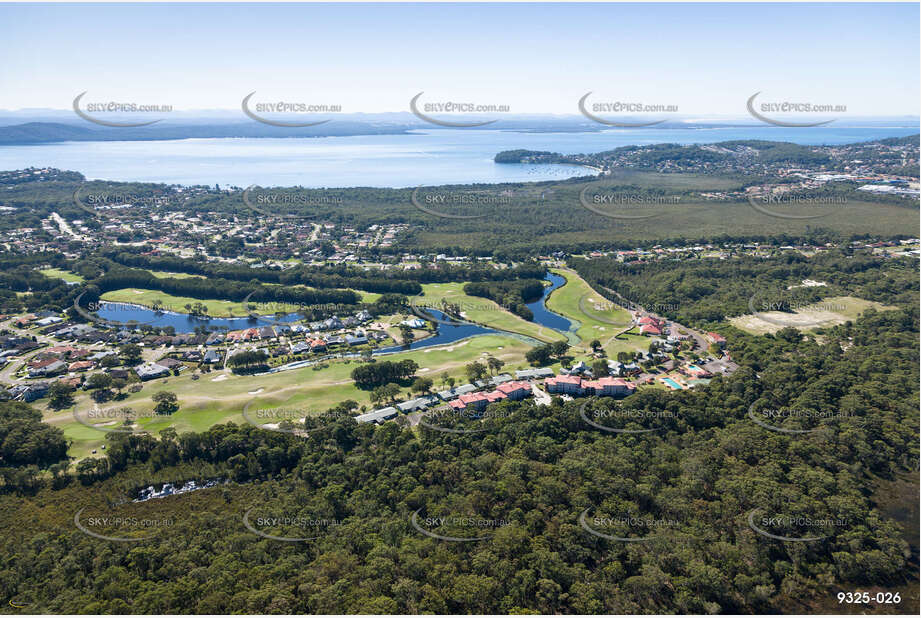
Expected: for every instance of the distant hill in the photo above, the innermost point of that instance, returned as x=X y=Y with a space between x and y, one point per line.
x=46 y=132
x=38 y=132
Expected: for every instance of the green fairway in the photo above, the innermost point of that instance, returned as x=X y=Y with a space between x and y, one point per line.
x=159 y=274
x=368 y=297
x=219 y=397
x=597 y=317
x=216 y=308
x=484 y=311
x=56 y=273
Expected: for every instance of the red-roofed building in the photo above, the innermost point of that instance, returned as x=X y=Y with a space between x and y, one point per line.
x=494 y=396
x=602 y=387
x=477 y=401
x=515 y=390
x=457 y=404
x=81 y=366
x=59 y=350
x=569 y=385
x=649 y=329
x=717 y=338
x=512 y=391
x=609 y=387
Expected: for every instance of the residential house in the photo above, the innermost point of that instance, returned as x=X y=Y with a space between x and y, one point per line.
x=149 y=371
x=84 y=365
x=47 y=367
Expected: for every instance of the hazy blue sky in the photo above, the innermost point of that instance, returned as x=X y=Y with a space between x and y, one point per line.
x=705 y=58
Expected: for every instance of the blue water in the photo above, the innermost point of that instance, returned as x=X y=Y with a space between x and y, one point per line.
x=671 y=382
x=544 y=316
x=427 y=157
x=445 y=334
x=182 y=322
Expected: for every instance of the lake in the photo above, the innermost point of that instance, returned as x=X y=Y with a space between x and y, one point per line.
x=446 y=333
x=544 y=316
x=181 y=322
x=425 y=157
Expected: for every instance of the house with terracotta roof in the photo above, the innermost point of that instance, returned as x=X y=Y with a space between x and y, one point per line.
x=59 y=350
x=716 y=338
x=317 y=344
x=47 y=367
x=81 y=365
x=651 y=326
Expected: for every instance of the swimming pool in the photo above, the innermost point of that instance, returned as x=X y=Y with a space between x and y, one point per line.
x=672 y=383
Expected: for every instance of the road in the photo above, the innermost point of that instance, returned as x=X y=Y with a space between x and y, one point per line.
x=540 y=397
x=65 y=227
x=6 y=374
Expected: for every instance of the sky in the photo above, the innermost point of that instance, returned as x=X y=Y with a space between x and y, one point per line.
x=707 y=59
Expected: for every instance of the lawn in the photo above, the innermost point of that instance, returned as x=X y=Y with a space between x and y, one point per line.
x=483 y=311
x=57 y=273
x=368 y=297
x=212 y=399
